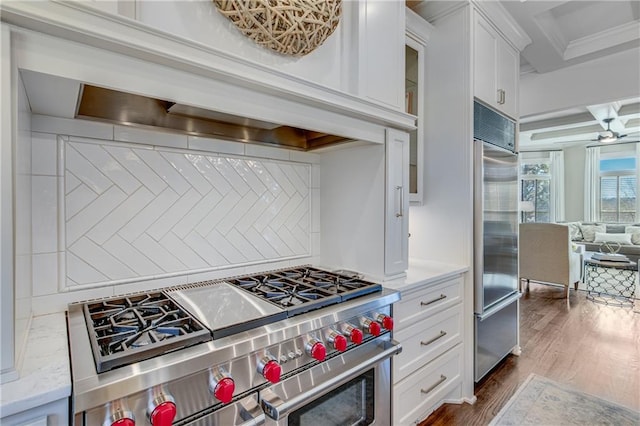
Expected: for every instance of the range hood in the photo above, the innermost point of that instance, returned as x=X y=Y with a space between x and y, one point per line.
x=106 y=105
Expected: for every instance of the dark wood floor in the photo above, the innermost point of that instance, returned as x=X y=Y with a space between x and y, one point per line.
x=588 y=346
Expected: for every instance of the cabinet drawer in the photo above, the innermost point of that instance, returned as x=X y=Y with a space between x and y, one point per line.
x=418 y=394
x=424 y=302
x=426 y=340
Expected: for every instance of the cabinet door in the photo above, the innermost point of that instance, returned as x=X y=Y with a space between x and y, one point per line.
x=508 y=69
x=484 y=63
x=418 y=32
x=495 y=69
x=397 y=203
x=381 y=51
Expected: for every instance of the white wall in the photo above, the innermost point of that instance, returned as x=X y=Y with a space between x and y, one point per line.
x=96 y=226
x=574 y=183
x=442 y=228
x=612 y=78
x=574 y=162
x=353 y=204
x=22 y=220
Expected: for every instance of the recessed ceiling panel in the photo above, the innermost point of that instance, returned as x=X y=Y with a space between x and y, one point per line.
x=578 y=19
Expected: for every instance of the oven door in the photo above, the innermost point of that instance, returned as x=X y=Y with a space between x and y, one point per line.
x=350 y=389
x=245 y=412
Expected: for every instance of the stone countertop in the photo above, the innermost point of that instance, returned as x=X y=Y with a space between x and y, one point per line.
x=45 y=375
x=424 y=272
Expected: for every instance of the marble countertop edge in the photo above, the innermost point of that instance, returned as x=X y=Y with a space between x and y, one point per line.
x=424 y=272
x=45 y=375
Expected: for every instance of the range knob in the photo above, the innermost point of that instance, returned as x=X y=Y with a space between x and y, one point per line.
x=269 y=368
x=316 y=349
x=354 y=333
x=124 y=422
x=221 y=385
x=372 y=327
x=161 y=408
x=119 y=414
x=386 y=321
x=337 y=340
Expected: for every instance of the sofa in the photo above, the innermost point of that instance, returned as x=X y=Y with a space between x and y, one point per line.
x=595 y=236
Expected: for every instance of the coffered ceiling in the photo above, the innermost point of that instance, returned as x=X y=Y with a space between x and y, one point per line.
x=566 y=34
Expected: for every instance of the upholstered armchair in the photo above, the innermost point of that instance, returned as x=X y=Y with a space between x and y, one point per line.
x=546 y=255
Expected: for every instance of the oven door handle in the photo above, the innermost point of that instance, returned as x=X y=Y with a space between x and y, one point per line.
x=276 y=408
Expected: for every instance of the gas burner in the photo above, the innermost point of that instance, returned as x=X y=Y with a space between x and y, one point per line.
x=305 y=288
x=138 y=327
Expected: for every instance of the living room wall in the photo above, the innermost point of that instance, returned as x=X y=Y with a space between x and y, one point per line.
x=587 y=83
x=574 y=158
x=574 y=183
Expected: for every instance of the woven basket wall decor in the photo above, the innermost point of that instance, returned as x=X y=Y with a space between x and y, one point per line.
x=291 y=27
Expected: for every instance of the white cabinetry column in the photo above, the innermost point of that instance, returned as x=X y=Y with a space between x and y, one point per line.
x=7 y=343
x=397 y=203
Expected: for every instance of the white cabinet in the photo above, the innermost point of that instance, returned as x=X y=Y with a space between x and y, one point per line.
x=496 y=68
x=429 y=325
x=417 y=36
x=396 y=232
x=380 y=51
x=52 y=413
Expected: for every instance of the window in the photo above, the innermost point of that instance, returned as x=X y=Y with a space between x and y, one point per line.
x=618 y=189
x=535 y=191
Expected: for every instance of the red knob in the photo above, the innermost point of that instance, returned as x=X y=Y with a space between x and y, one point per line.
x=163 y=414
x=318 y=351
x=356 y=336
x=271 y=371
x=124 y=422
x=340 y=343
x=224 y=390
x=374 y=328
x=386 y=320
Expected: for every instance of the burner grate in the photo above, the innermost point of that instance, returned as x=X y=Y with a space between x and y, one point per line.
x=137 y=327
x=302 y=289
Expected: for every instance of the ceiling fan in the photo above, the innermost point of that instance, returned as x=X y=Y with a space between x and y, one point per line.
x=608 y=135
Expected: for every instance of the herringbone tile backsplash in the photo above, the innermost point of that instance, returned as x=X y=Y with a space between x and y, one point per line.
x=132 y=212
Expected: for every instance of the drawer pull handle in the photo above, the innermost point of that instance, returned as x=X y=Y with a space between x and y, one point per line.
x=439 y=336
x=442 y=296
x=435 y=385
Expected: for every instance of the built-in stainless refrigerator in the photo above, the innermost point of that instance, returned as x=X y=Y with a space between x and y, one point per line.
x=496 y=250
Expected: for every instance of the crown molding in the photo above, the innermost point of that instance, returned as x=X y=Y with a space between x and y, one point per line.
x=504 y=22
x=602 y=40
x=417 y=27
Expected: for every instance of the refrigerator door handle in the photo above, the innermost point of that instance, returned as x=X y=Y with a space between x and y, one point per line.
x=498 y=306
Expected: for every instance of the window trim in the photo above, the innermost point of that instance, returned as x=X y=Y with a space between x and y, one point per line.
x=536 y=177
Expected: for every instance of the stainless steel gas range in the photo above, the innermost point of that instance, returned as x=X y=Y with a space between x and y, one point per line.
x=298 y=346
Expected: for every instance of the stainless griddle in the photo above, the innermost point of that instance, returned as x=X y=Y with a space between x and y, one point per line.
x=225 y=309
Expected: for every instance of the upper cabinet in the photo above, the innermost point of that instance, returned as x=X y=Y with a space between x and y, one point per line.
x=417 y=36
x=380 y=61
x=496 y=68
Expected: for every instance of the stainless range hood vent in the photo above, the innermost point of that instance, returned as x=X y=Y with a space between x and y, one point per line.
x=116 y=107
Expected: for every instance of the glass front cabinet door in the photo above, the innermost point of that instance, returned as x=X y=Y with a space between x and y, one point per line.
x=417 y=34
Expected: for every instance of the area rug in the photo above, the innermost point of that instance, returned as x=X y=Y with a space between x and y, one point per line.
x=542 y=402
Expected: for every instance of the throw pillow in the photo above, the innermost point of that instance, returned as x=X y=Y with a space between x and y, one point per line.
x=614 y=228
x=575 y=233
x=635 y=233
x=602 y=237
x=589 y=231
